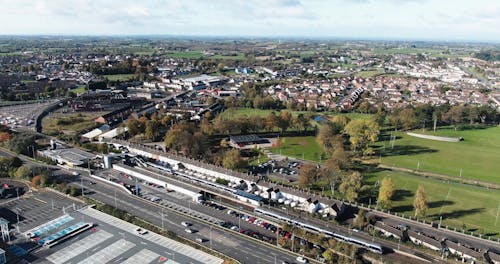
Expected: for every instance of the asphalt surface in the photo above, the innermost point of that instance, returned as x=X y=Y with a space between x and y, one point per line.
x=242 y=248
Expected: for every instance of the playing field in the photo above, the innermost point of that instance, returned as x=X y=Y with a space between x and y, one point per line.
x=475 y=207
x=299 y=147
x=476 y=157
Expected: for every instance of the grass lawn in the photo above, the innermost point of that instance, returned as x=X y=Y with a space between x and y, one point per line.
x=238 y=112
x=79 y=90
x=458 y=204
x=299 y=147
x=119 y=77
x=478 y=155
x=370 y=73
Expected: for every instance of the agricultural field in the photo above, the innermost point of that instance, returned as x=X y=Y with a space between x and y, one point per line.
x=476 y=157
x=472 y=208
x=119 y=77
x=305 y=148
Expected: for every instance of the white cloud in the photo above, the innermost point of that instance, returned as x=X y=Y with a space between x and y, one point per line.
x=452 y=19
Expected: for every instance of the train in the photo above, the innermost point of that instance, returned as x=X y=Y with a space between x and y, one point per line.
x=376 y=248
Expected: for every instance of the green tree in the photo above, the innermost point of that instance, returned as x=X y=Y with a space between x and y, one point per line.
x=361 y=133
x=342 y=120
x=420 y=202
x=386 y=190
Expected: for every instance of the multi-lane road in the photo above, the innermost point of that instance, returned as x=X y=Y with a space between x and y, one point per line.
x=242 y=248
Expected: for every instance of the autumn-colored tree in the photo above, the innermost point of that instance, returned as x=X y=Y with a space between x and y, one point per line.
x=360 y=220
x=135 y=126
x=232 y=160
x=420 y=202
x=307 y=174
x=351 y=186
x=35 y=181
x=152 y=130
x=271 y=121
x=4 y=136
x=342 y=120
x=386 y=190
x=361 y=133
x=408 y=118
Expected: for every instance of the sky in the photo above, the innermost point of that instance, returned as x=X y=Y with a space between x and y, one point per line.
x=449 y=20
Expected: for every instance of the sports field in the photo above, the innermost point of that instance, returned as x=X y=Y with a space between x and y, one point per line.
x=475 y=208
x=476 y=157
x=299 y=147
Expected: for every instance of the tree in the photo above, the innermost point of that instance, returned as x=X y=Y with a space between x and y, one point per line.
x=152 y=130
x=307 y=174
x=271 y=121
x=284 y=121
x=420 y=202
x=342 y=120
x=362 y=132
x=220 y=68
x=24 y=172
x=379 y=117
x=385 y=193
x=20 y=143
x=135 y=127
x=4 y=137
x=35 y=182
x=408 y=118
x=232 y=160
x=360 y=220
x=351 y=186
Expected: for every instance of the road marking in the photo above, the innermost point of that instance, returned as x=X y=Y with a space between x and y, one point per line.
x=40 y=200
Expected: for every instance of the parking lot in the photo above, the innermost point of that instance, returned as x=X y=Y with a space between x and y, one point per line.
x=114 y=240
x=21 y=115
x=285 y=170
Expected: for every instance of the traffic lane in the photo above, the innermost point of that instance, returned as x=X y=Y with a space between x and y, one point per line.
x=152 y=213
x=220 y=214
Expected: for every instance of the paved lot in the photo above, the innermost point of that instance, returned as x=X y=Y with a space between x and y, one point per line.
x=22 y=115
x=35 y=208
x=115 y=241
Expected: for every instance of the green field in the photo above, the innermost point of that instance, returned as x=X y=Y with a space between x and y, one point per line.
x=299 y=147
x=370 y=73
x=238 y=112
x=79 y=90
x=458 y=204
x=239 y=56
x=185 y=54
x=477 y=156
x=119 y=77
